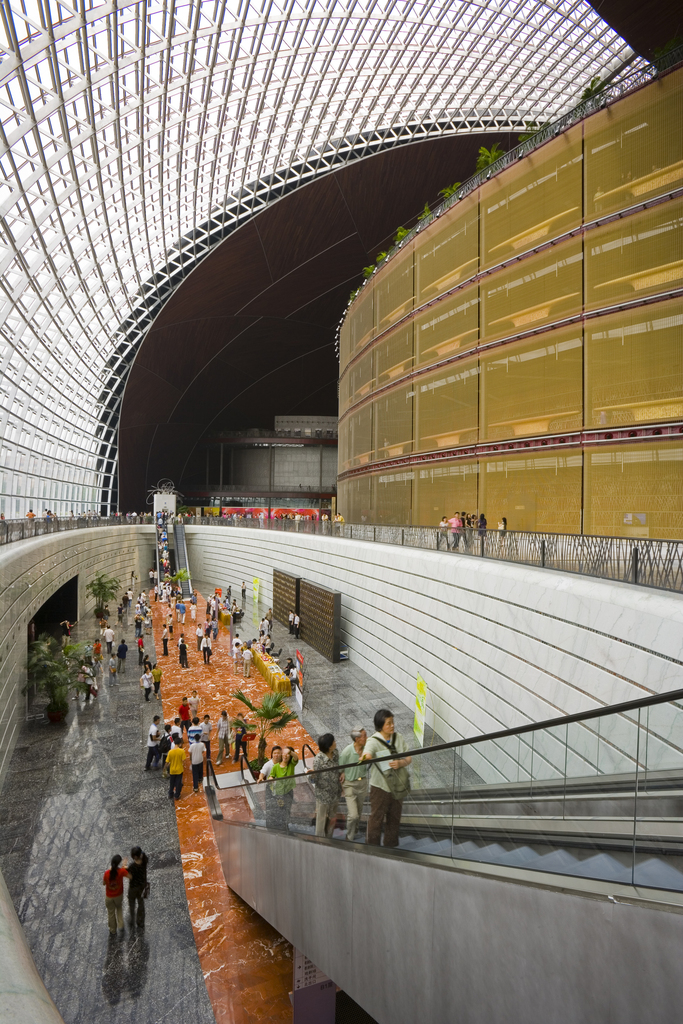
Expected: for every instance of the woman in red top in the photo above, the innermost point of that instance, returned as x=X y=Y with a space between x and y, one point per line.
x=113 y=893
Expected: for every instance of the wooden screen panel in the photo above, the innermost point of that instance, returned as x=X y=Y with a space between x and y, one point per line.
x=320 y=611
x=285 y=595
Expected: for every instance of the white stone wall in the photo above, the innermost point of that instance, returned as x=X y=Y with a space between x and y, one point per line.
x=499 y=645
x=30 y=572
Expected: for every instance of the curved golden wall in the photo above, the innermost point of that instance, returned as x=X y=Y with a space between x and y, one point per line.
x=540 y=317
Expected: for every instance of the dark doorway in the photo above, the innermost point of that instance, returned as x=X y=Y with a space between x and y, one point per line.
x=62 y=605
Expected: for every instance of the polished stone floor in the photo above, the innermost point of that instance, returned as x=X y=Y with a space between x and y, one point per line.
x=75 y=794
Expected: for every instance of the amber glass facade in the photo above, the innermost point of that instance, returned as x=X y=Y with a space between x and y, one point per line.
x=518 y=319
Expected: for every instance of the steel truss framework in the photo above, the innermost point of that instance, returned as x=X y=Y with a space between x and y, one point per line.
x=136 y=136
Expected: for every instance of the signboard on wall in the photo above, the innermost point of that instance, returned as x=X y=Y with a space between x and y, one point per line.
x=299 y=688
x=420 y=710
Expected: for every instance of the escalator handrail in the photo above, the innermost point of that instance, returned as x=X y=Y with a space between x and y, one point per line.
x=210 y=770
x=303 y=752
x=550 y=723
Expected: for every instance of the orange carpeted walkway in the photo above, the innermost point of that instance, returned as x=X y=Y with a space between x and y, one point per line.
x=247 y=965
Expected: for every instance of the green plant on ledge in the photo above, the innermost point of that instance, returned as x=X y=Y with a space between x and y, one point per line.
x=450 y=190
x=54 y=671
x=103 y=588
x=488 y=156
x=595 y=87
x=532 y=128
x=400 y=235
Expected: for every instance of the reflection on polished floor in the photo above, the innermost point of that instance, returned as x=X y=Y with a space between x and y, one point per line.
x=74 y=795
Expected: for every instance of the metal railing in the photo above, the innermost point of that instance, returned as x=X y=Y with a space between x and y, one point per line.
x=25 y=529
x=647 y=563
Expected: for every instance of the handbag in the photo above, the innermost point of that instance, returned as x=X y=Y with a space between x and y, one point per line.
x=397 y=779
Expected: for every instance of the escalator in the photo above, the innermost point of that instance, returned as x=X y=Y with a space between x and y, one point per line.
x=181 y=559
x=588 y=808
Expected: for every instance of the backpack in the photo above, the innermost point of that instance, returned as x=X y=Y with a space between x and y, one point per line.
x=165 y=744
x=397 y=779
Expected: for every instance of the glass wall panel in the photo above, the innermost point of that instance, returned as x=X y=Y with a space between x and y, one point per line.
x=361 y=379
x=536 y=199
x=393 y=356
x=634 y=366
x=541 y=493
x=634 y=257
x=358 y=431
x=345 y=343
x=447 y=407
x=635 y=490
x=394 y=423
x=532 y=387
x=537 y=291
x=355 y=499
x=443 y=489
x=363 y=319
x=634 y=149
x=448 y=328
x=394 y=289
x=344 y=393
x=447 y=253
x=393 y=496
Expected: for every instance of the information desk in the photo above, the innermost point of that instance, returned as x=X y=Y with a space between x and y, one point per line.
x=272 y=673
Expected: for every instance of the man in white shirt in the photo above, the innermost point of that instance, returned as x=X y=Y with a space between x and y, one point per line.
x=223 y=736
x=197 y=750
x=109 y=637
x=176 y=730
x=248 y=657
x=275 y=758
x=199 y=632
x=153 y=738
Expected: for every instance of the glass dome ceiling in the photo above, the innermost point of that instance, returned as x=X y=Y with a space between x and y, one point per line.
x=136 y=135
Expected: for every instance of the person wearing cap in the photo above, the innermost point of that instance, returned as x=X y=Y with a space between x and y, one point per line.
x=355 y=786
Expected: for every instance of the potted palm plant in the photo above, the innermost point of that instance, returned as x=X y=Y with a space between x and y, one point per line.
x=54 y=671
x=271 y=716
x=103 y=588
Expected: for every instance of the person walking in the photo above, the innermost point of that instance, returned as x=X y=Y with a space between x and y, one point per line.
x=387 y=791
x=146 y=684
x=197 y=751
x=206 y=736
x=180 y=612
x=109 y=638
x=182 y=652
x=185 y=714
x=156 y=678
x=199 y=633
x=241 y=729
x=175 y=759
x=113 y=893
x=112 y=670
x=137 y=886
x=244 y=593
x=223 y=737
x=141 y=650
x=206 y=649
x=247 y=658
x=164 y=640
x=153 y=740
x=194 y=704
x=328 y=786
x=121 y=652
x=355 y=785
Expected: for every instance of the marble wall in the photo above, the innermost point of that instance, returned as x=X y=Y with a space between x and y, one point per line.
x=499 y=645
x=30 y=572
